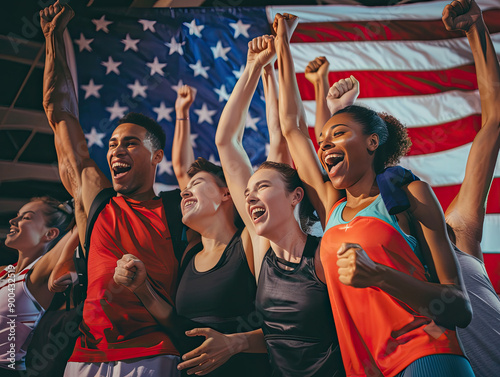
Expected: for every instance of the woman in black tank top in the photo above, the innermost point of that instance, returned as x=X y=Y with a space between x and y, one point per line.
x=292 y=301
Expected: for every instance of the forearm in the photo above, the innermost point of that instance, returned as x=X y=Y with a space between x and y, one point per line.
x=164 y=313
x=249 y=342
x=322 y=112
x=291 y=110
x=232 y=121
x=446 y=304
x=182 y=151
x=487 y=69
x=59 y=96
x=278 y=148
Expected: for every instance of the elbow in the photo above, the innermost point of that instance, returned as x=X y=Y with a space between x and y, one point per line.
x=465 y=316
x=457 y=313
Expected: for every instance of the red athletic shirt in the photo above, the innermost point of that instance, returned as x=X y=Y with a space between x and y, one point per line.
x=377 y=332
x=116 y=326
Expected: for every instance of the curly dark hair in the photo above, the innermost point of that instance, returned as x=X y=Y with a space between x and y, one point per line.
x=307 y=214
x=393 y=137
x=154 y=132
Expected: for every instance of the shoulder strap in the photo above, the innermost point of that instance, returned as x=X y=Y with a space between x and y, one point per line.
x=101 y=199
x=171 y=203
x=79 y=258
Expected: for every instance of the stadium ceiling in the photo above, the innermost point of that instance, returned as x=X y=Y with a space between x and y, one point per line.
x=28 y=163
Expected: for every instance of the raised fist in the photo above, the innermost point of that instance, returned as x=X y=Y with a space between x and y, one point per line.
x=261 y=50
x=343 y=93
x=130 y=272
x=461 y=15
x=317 y=69
x=185 y=98
x=55 y=17
x=284 y=25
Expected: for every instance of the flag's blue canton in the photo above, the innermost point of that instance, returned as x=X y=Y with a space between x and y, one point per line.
x=133 y=60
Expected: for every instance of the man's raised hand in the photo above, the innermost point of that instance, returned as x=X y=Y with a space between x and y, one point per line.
x=343 y=93
x=461 y=15
x=317 y=69
x=55 y=17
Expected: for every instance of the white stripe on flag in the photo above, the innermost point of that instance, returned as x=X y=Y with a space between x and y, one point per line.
x=419 y=111
x=336 y=13
x=489 y=244
x=388 y=55
x=442 y=168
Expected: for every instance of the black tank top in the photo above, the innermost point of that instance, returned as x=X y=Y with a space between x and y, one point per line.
x=298 y=323
x=223 y=298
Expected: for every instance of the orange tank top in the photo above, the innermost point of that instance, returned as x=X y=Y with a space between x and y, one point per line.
x=378 y=334
x=116 y=326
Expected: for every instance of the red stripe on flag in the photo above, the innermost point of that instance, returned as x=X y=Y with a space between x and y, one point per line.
x=385 y=30
x=446 y=194
x=442 y=137
x=492 y=263
x=399 y=83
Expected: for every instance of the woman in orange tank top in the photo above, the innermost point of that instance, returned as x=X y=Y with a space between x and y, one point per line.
x=392 y=318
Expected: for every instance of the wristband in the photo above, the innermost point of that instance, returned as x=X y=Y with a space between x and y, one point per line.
x=183 y=118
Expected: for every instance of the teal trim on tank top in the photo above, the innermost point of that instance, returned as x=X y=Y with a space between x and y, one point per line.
x=377 y=210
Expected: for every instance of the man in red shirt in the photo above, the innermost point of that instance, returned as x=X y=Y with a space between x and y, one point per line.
x=118 y=333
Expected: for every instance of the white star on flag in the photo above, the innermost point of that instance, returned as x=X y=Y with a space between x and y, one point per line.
x=163 y=112
x=193 y=28
x=193 y=140
x=116 y=110
x=205 y=115
x=239 y=73
x=102 y=24
x=219 y=51
x=212 y=159
x=223 y=96
x=175 y=47
x=84 y=44
x=240 y=29
x=156 y=67
x=137 y=89
x=111 y=66
x=179 y=85
x=91 y=89
x=199 y=69
x=165 y=166
x=148 y=25
x=251 y=122
x=95 y=137
x=130 y=44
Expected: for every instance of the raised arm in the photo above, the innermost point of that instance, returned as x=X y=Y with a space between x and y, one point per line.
x=466 y=213
x=234 y=159
x=293 y=123
x=62 y=252
x=182 y=151
x=61 y=106
x=317 y=74
x=278 y=148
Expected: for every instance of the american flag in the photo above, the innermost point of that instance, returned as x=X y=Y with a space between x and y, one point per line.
x=407 y=63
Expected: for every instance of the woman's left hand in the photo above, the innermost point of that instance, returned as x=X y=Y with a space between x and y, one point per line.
x=215 y=351
x=356 y=269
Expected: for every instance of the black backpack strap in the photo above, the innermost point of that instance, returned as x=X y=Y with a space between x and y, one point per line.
x=101 y=199
x=172 y=204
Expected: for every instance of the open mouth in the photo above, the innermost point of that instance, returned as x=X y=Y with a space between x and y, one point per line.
x=189 y=203
x=12 y=231
x=333 y=160
x=120 y=169
x=257 y=213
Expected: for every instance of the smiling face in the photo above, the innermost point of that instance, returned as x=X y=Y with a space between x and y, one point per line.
x=345 y=151
x=28 y=231
x=201 y=199
x=132 y=160
x=268 y=203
